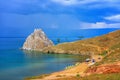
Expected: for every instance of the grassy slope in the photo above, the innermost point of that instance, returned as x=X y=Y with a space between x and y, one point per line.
x=95 y=45
x=115 y=76
x=111 y=42
x=113 y=56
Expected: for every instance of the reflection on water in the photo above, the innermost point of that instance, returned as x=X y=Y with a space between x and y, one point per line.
x=60 y=57
x=17 y=64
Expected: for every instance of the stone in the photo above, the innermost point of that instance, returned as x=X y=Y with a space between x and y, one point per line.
x=37 y=41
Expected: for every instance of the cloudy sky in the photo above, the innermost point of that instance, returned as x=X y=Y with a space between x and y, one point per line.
x=22 y=16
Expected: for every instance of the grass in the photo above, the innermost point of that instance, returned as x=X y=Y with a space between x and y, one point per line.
x=104 y=53
x=78 y=75
x=71 y=66
x=115 y=46
x=60 y=75
x=115 y=76
x=37 y=77
x=93 y=45
x=112 y=42
x=113 y=56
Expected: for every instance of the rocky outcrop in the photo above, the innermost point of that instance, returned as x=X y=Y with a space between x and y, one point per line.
x=37 y=41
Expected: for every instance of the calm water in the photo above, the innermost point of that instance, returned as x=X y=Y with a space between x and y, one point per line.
x=16 y=64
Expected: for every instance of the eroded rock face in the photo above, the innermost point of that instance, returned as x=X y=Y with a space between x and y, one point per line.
x=37 y=41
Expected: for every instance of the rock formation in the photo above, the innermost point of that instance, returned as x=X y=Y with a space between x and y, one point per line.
x=37 y=41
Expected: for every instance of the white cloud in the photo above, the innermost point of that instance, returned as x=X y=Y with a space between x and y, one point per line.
x=97 y=25
x=113 y=18
x=74 y=2
x=89 y=3
x=66 y=2
x=52 y=6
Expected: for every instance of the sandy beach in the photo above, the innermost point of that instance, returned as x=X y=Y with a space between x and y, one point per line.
x=77 y=70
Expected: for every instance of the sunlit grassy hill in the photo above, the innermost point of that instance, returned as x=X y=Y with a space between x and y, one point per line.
x=112 y=55
x=109 y=67
x=97 y=45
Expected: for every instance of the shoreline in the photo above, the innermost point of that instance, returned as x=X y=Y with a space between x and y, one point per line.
x=42 y=52
x=77 y=69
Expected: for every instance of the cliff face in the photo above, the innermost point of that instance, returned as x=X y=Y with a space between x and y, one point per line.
x=37 y=41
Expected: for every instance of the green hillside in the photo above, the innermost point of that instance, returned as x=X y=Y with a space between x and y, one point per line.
x=113 y=56
x=96 y=45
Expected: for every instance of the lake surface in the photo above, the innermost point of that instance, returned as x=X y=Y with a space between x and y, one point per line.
x=16 y=64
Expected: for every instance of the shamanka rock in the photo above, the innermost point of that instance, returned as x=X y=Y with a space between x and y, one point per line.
x=37 y=41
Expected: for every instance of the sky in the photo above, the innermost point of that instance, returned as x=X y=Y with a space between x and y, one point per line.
x=21 y=17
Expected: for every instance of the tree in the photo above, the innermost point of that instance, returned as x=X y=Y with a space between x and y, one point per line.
x=80 y=37
x=58 y=40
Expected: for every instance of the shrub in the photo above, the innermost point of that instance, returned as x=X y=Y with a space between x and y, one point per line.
x=78 y=75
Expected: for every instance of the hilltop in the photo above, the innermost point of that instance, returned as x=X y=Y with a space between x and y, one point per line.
x=96 y=45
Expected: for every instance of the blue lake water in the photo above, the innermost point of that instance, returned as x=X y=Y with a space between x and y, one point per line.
x=16 y=64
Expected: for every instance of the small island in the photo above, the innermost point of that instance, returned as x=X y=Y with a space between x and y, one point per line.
x=37 y=41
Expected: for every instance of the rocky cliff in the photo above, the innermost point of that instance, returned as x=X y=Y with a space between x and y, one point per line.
x=37 y=41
